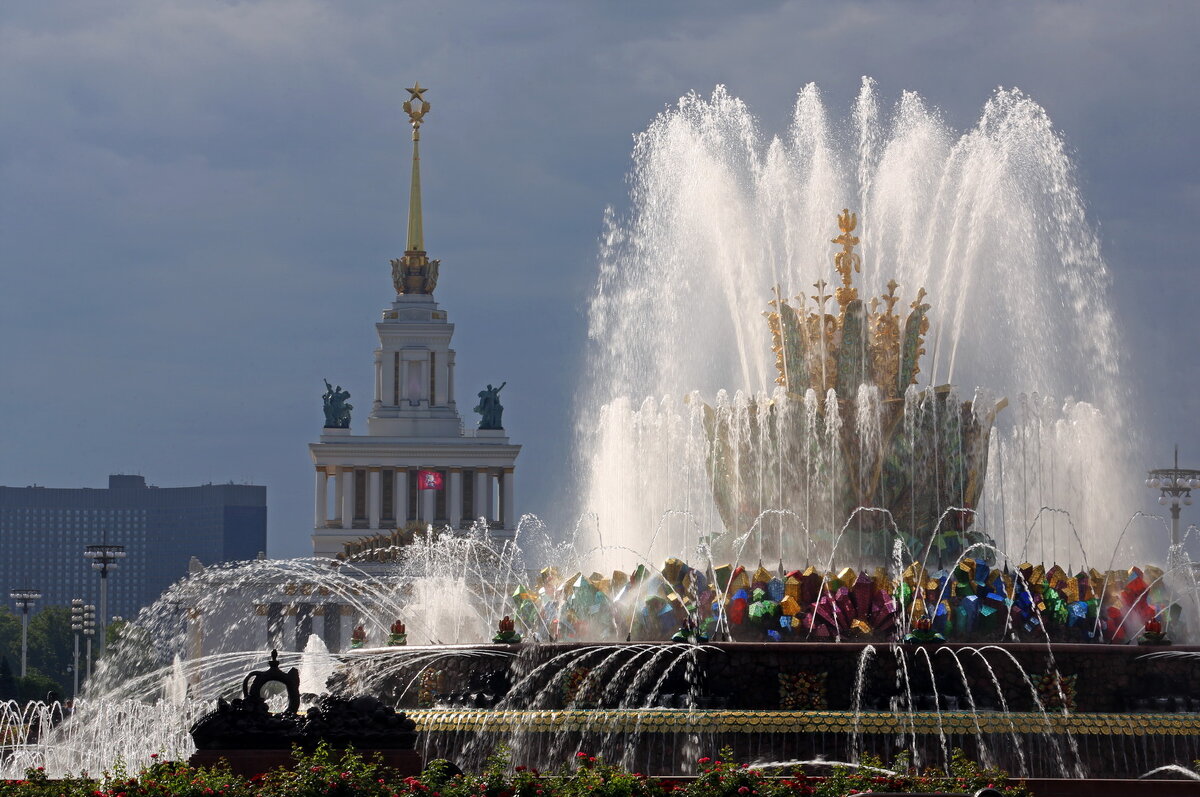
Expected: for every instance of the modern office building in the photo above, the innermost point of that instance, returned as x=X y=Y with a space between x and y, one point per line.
x=43 y=531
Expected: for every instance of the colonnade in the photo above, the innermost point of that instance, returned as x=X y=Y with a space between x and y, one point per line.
x=375 y=497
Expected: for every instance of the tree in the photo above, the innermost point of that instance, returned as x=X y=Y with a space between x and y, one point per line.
x=36 y=686
x=8 y=683
x=51 y=646
x=10 y=635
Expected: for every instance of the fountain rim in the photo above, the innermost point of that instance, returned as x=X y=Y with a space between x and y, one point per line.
x=796 y=647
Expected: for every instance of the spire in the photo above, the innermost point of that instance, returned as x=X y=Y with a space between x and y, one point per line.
x=416 y=237
x=415 y=273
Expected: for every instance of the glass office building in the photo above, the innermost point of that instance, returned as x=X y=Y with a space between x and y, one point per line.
x=43 y=531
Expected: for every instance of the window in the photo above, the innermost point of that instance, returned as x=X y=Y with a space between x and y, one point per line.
x=432 y=378
x=468 y=496
x=360 y=494
x=387 y=483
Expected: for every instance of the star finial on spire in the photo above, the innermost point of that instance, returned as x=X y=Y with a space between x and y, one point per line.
x=416 y=106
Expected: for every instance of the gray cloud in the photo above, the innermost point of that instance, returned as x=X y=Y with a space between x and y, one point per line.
x=198 y=200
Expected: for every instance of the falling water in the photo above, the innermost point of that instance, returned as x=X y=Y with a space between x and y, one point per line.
x=721 y=213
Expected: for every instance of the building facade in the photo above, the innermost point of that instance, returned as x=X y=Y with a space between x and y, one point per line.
x=43 y=531
x=415 y=437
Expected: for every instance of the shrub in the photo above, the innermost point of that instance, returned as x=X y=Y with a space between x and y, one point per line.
x=343 y=773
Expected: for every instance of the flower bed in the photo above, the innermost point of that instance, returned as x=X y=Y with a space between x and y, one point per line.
x=330 y=773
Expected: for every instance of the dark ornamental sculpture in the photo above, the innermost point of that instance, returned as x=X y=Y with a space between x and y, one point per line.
x=245 y=723
x=337 y=409
x=489 y=407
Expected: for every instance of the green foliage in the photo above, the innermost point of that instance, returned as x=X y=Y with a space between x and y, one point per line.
x=50 y=653
x=10 y=636
x=37 y=686
x=327 y=773
x=8 y=681
x=51 y=645
x=335 y=773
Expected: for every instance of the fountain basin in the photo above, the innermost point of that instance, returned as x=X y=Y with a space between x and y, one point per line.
x=1033 y=709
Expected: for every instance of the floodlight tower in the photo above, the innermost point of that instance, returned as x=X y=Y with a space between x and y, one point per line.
x=1176 y=485
x=25 y=599
x=89 y=631
x=76 y=629
x=104 y=558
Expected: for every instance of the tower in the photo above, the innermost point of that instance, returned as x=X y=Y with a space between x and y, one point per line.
x=417 y=463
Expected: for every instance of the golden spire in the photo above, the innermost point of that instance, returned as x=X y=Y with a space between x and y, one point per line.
x=415 y=273
x=846 y=260
x=416 y=106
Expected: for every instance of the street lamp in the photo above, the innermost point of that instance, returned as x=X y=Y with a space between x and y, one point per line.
x=104 y=558
x=1176 y=485
x=89 y=631
x=76 y=628
x=25 y=599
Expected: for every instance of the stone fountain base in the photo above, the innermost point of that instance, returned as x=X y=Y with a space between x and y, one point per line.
x=1036 y=710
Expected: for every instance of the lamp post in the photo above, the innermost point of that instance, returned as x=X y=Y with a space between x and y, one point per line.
x=89 y=630
x=25 y=599
x=104 y=558
x=76 y=628
x=1176 y=485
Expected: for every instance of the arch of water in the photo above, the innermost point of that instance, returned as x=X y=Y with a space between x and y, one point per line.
x=989 y=220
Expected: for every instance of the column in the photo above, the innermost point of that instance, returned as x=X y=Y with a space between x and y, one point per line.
x=338 y=489
x=321 y=510
x=396 y=385
x=491 y=499
x=347 y=482
x=450 y=377
x=275 y=622
x=331 y=631
x=481 y=494
x=400 y=495
x=428 y=505
x=454 y=498
x=304 y=625
x=195 y=632
x=404 y=364
x=507 y=498
x=374 y=497
x=378 y=377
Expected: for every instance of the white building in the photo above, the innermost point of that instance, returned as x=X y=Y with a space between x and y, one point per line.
x=367 y=483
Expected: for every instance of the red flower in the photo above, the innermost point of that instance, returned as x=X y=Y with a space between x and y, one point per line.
x=704 y=760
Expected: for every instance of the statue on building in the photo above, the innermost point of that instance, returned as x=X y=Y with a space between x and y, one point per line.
x=489 y=407
x=337 y=409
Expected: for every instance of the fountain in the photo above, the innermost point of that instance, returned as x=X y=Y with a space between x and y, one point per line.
x=944 y=568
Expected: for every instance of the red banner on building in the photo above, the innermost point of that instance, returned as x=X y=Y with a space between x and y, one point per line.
x=429 y=480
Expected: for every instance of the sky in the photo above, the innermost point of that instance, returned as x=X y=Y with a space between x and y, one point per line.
x=199 y=200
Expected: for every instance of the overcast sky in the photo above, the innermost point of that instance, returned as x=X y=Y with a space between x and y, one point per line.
x=198 y=200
